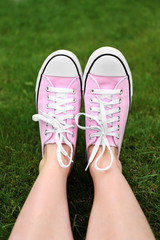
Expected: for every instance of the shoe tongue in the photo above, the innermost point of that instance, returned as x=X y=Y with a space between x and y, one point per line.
x=107 y=82
x=60 y=82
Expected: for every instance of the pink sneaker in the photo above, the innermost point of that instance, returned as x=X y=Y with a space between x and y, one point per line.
x=107 y=86
x=58 y=98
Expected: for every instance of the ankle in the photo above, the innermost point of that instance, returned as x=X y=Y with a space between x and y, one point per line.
x=50 y=162
x=104 y=161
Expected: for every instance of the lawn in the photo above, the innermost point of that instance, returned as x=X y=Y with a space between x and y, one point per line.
x=32 y=29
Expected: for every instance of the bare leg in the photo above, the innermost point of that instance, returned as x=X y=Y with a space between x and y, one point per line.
x=116 y=213
x=45 y=213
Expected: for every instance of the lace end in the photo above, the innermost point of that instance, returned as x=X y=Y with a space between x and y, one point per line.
x=87 y=166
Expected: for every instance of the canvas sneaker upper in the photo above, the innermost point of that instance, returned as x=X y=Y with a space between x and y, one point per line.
x=58 y=101
x=107 y=102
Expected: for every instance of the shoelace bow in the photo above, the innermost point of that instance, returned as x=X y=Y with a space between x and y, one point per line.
x=58 y=123
x=102 y=123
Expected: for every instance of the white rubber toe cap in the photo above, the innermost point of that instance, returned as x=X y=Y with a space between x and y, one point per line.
x=108 y=66
x=61 y=66
x=107 y=61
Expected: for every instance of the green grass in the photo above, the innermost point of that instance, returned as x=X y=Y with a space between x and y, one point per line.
x=32 y=29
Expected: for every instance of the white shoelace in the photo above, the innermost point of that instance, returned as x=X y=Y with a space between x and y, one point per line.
x=59 y=105
x=102 y=123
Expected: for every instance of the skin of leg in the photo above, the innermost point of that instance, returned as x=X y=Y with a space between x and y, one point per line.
x=115 y=213
x=45 y=213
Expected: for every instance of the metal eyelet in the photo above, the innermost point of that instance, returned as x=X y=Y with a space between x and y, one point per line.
x=89 y=136
x=73 y=126
x=121 y=91
x=73 y=108
x=73 y=117
x=72 y=134
x=90 y=119
x=45 y=132
x=47 y=105
x=90 y=109
x=118 y=118
x=91 y=100
x=118 y=127
x=120 y=100
x=118 y=136
x=47 y=97
x=119 y=109
x=74 y=91
x=46 y=124
x=47 y=89
x=74 y=100
x=92 y=90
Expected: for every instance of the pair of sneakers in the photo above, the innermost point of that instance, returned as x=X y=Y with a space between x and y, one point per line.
x=106 y=86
